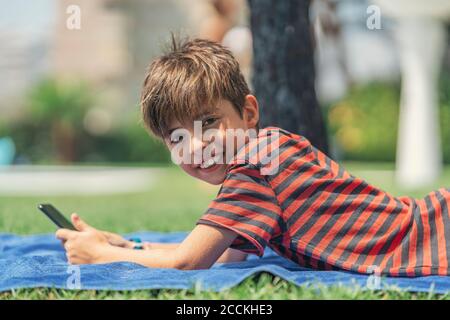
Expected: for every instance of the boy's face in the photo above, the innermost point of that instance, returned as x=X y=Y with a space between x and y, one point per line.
x=206 y=158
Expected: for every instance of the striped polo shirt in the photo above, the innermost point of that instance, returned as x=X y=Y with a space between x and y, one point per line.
x=309 y=209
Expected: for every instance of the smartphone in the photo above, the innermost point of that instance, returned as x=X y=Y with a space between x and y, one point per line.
x=57 y=217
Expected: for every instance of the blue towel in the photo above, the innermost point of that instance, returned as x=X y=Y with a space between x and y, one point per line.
x=39 y=261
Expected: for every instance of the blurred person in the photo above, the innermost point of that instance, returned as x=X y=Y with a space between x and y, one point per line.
x=221 y=19
x=333 y=79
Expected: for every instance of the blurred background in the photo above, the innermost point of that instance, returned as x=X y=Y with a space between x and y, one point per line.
x=368 y=82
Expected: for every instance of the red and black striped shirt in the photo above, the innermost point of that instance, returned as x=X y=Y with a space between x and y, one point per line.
x=309 y=209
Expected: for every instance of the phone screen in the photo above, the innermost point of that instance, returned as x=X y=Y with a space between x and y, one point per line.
x=53 y=214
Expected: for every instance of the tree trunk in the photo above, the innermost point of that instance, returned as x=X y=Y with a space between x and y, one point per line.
x=283 y=68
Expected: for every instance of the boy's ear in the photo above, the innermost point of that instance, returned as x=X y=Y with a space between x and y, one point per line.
x=251 y=111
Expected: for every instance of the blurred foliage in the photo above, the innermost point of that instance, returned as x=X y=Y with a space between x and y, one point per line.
x=53 y=129
x=444 y=101
x=365 y=122
x=127 y=143
x=52 y=102
x=3 y=128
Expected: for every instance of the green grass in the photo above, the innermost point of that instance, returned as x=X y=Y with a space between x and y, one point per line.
x=175 y=203
x=263 y=286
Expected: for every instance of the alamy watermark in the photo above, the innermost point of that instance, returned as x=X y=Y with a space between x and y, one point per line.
x=73 y=21
x=74 y=279
x=373 y=21
x=374 y=280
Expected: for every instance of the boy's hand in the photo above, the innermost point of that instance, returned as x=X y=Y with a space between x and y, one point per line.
x=118 y=241
x=85 y=245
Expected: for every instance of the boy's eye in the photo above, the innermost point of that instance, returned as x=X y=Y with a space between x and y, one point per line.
x=174 y=139
x=209 y=121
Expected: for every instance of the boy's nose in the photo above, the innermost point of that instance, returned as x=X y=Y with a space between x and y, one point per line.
x=197 y=146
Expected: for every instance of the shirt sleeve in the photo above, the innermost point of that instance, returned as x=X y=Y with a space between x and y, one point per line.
x=247 y=205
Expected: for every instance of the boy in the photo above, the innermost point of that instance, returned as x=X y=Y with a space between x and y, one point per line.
x=277 y=189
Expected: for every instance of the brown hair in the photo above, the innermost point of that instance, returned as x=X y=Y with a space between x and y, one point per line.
x=188 y=80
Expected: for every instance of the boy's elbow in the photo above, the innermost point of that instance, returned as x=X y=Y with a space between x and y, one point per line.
x=185 y=266
x=180 y=265
x=189 y=264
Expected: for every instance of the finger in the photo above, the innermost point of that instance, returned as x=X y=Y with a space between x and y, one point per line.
x=65 y=234
x=79 y=224
x=147 y=246
x=69 y=258
x=73 y=259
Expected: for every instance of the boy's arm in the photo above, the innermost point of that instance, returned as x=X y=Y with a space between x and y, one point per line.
x=230 y=255
x=200 y=250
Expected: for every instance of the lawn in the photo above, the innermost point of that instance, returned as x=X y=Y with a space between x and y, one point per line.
x=174 y=203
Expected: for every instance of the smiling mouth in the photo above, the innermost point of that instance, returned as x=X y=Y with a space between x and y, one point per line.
x=210 y=163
